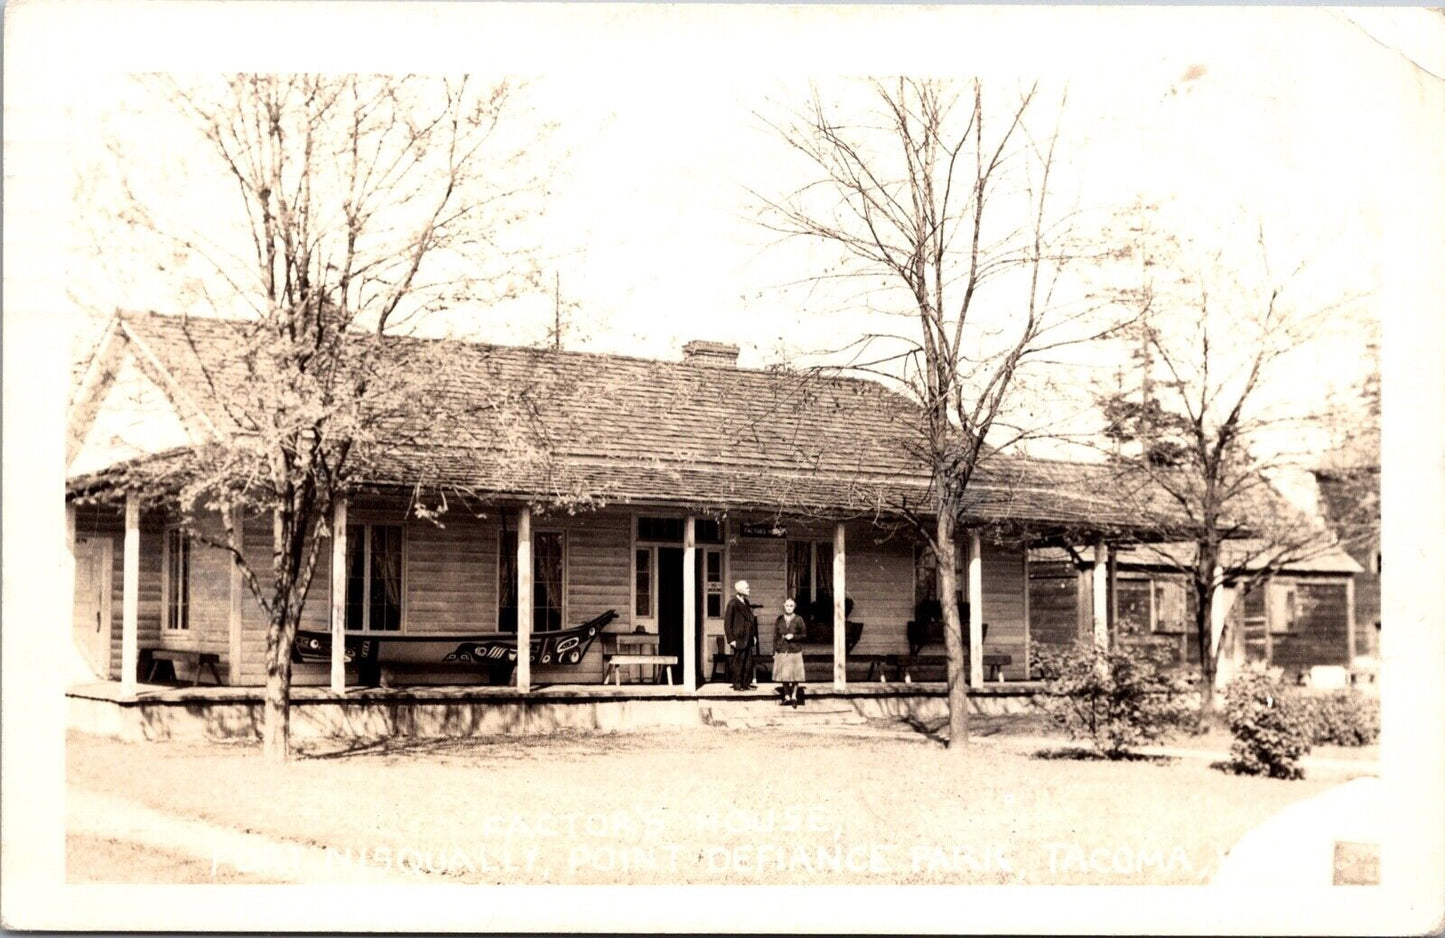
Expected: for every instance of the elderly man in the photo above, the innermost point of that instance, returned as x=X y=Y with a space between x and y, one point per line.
x=740 y=628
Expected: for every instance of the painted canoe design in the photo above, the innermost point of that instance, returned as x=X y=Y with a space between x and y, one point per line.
x=556 y=647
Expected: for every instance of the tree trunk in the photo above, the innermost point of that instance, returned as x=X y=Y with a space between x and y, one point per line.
x=952 y=633
x=276 y=730
x=1204 y=627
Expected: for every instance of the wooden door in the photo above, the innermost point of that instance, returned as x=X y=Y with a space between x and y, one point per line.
x=91 y=625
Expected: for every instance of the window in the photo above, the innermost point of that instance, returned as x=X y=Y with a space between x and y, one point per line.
x=373 y=577
x=712 y=583
x=925 y=575
x=670 y=530
x=178 y=579
x=1145 y=604
x=1173 y=609
x=1135 y=605
x=1284 y=607
x=810 y=577
x=548 y=581
x=642 y=608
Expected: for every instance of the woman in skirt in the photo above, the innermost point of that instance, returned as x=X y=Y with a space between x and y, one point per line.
x=788 y=632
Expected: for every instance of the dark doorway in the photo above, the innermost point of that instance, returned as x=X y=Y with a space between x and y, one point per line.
x=669 y=601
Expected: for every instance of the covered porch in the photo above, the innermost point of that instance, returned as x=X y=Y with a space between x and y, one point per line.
x=656 y=578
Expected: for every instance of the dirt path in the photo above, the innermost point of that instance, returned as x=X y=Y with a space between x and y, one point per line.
x=228 y=852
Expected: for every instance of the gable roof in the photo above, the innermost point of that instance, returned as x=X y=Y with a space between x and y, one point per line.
x=625 y=429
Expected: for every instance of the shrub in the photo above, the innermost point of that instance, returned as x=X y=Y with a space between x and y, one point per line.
x=1271 y=727
x=1342 y=718
x=1116 y=700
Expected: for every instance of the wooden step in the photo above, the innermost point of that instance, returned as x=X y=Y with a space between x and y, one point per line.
x=762 y=712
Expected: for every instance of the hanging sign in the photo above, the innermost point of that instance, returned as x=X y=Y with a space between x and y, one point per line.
x=762 y=529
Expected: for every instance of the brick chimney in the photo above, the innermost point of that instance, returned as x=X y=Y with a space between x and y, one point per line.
x=717 y=354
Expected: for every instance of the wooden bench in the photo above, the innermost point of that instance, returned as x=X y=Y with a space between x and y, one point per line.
x=904 y=665
x=615 y=664
x=161 y=662
x=926 y=628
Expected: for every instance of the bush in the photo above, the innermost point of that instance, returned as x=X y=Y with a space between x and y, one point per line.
x=1342 y=718
x=1270 y=725
x=1116 y=700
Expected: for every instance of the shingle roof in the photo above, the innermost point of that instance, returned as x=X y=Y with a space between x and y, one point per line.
x=1249 y=553
x=637 y=430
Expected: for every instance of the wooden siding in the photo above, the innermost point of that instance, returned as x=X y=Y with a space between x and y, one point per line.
x=103 y=522
x=598 y=567
x=763 y=562
x=316 y=613
x=210 y=600
x=451 y=585
x=1055 y=597
x=1003 y=605
x=880 y=580
x=451 y=575
x=1320 y=634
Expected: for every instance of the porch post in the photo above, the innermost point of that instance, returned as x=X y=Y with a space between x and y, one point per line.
x=1350 y=625
x=338 y=596
x=130 y=598
x=1113 y=604
x=1101 y=595
x=238 y=591
x=524 y=599
x=840 y=608
x=975 y=610
x=689 y=602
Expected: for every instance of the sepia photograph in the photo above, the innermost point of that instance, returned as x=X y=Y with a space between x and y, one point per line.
x=657 y=447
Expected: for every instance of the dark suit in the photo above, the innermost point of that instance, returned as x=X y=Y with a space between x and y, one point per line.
x=740 y=627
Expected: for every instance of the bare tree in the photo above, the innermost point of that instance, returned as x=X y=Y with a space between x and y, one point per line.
x=357 y=205
x=943 y=197
x=1210 y=419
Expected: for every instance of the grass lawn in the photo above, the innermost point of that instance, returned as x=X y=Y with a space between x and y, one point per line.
x=703 y=806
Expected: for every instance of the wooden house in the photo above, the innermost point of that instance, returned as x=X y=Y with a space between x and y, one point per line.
x=679 y=477
x=1297 y=618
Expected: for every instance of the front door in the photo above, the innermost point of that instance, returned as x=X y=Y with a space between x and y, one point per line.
x=91 y=625
x=669 y=601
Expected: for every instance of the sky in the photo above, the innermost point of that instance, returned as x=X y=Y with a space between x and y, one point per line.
x=1232 y=119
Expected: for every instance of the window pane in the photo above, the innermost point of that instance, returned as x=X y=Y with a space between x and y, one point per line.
x=824 y=568
x=714 y=567
x=185 y=580
x=708 y=531
x=178 y=592
x=547 y=580
x=1254 y=602
x=643 y=606
x=1133 y=600
x=925 y=575
x=355 y=576
x=507 y=582
x=1169 y=609
x=660 y=529
x=385 y=578
x=714 y=606
x=800 y=574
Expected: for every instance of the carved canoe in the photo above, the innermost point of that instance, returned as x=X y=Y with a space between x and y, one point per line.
x=556 y=647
